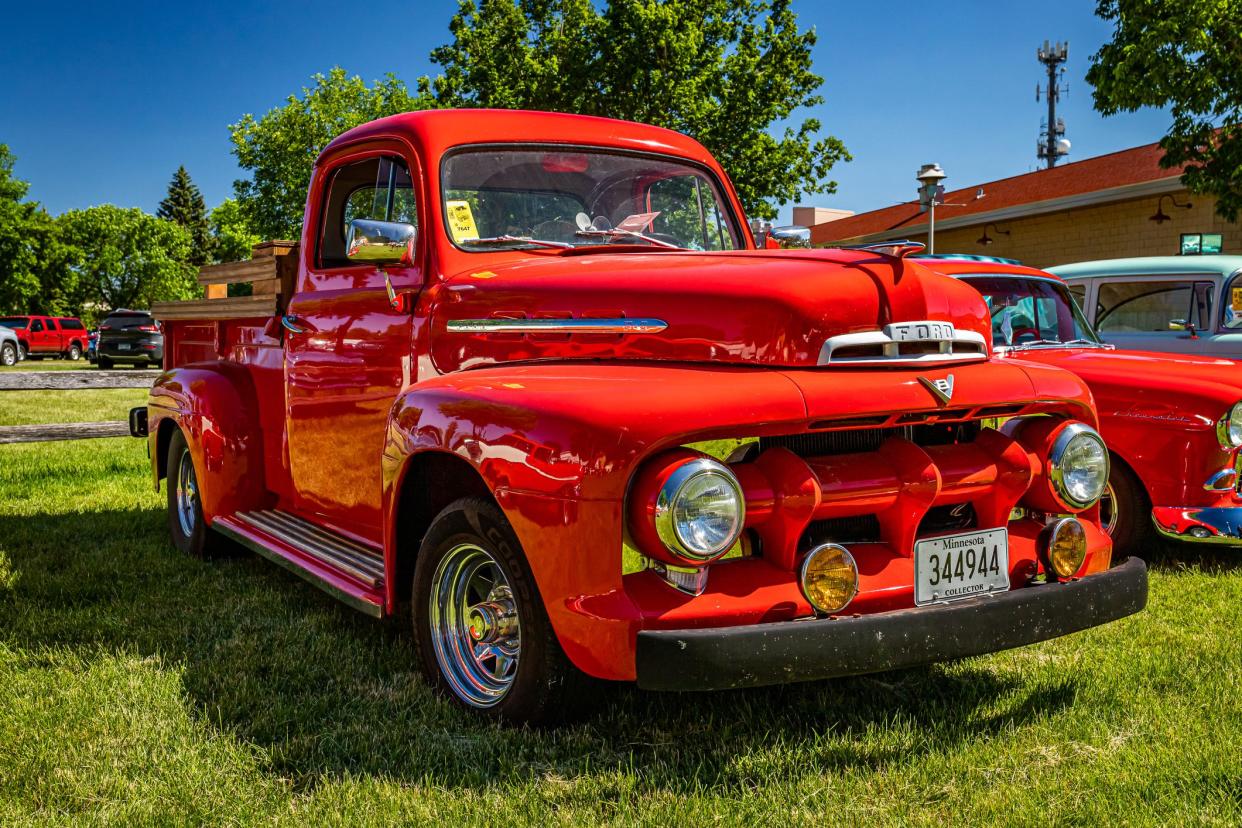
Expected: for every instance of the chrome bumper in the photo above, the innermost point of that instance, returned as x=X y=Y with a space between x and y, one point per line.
x=1199 y=524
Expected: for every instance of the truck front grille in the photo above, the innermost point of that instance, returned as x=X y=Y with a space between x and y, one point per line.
x=854 y=441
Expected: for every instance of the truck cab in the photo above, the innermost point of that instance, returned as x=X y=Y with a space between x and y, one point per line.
x=527 y=381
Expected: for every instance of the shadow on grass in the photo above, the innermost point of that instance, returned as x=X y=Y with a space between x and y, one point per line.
x=1173 y=556
x=324 y=691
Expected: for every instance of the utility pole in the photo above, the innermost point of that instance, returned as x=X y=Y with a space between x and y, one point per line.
x=1052 y=145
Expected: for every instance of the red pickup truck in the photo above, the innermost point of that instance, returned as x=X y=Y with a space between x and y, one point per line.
x=527 y=378
x=63 y=336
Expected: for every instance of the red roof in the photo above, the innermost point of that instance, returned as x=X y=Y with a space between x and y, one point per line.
x=1117 y=169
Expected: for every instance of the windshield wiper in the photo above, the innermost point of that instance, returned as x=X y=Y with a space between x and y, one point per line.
x=616 y=232
x=508 y=239
x=1035 y=343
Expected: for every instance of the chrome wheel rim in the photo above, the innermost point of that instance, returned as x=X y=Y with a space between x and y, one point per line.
x=9 y=355
x=187 y=495
x=474 y=625
x=1108 y=509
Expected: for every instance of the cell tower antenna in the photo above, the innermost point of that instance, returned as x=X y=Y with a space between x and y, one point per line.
x=1052 y=145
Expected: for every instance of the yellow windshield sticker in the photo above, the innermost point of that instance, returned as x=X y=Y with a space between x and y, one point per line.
x=461 y=221
x=1236 y=300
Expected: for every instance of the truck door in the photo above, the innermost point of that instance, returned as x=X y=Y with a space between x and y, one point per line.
x=37 y=336
x=347 y=350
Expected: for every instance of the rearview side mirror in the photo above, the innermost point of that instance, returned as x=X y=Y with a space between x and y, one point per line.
x=380 y=242
x=767 y=236
x=1184 y=325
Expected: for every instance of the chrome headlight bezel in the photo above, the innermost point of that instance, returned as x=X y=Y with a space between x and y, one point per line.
x=668 y=498
x=1056 y=464
x=1229 y=428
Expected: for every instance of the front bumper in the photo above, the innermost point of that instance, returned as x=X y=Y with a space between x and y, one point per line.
x=1200 y=524
x=776 y=653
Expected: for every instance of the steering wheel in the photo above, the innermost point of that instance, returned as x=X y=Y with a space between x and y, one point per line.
x=1020 y=333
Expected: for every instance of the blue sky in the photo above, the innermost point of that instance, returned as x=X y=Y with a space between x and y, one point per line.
x=103 y=100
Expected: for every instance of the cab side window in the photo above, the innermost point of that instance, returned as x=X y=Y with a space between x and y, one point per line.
x=1231 y=305
x=377 y=188
x=688 y=214
x=1148 y=306
x=36 y=326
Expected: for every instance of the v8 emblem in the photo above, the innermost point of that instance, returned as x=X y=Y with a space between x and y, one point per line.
x=942 y=389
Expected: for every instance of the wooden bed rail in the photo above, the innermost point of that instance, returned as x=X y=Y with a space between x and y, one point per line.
x=271 y=272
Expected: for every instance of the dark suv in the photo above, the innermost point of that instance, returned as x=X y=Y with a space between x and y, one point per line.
x=129 y=336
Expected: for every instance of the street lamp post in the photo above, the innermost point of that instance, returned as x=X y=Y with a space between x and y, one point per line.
x=930 y=192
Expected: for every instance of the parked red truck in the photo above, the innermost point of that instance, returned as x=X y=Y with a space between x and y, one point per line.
x=63 y=336
x=527 y=376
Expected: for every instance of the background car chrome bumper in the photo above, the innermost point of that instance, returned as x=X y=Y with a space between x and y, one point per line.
x=776 y=653
x=1200 y=524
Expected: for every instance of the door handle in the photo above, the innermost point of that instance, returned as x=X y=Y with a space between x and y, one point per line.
x=291 y=324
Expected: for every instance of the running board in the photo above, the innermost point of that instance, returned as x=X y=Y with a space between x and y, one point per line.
x=344 y=568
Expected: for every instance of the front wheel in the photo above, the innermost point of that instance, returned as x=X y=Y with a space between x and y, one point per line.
x=481 y=631
x=1125 y=511
x=186 y=525
x=8 y=354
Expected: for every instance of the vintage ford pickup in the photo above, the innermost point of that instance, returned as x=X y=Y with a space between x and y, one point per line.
x=1173 y=423
x=527 y=378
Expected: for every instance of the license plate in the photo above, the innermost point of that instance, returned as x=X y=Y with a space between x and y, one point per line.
x=953 y=567
x=123 y=346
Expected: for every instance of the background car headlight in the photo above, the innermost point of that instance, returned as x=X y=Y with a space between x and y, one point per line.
x=700 y=509
x=1229 y=428
x=1078 y=465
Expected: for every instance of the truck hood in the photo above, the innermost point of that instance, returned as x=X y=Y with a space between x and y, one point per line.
x=775 y=308
x=1148 y=385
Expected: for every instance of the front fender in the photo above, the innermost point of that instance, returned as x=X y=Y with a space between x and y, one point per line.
x=216 y=408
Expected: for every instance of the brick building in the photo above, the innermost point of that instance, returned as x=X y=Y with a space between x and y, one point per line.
x=1111 y=206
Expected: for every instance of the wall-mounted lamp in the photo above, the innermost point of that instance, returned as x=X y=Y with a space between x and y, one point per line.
x=1160 y=216
x=985 y=239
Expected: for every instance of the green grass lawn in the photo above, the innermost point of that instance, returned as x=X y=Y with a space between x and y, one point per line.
x=138 y=686
x=49 y=364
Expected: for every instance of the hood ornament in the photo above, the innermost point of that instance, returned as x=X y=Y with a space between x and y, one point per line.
x=942 y=389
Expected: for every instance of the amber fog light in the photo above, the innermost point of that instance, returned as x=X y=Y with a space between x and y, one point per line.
x=1064 y=544
x=829 y=578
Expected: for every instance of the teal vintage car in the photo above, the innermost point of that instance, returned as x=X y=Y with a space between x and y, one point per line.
x=1176 y=304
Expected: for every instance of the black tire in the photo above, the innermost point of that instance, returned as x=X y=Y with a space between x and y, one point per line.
x=25 y=351
x=8 y=354
x=75 y=352
x=189 y=532
x=545 y=687
x=1132 y=531
x=105 y=363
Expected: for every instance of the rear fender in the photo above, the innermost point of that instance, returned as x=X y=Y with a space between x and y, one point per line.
x=215 y=407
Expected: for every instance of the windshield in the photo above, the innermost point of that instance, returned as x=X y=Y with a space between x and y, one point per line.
x=1031 y=312
x=15 y=322
x=497 y=197
x=127 y=321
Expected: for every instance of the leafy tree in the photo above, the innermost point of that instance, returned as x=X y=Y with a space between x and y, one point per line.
x=233 y=238
x=722 y=71
x=279 y=148
x=33 y=277
x=125 y=258
x=184 y=205
x=1185 y=55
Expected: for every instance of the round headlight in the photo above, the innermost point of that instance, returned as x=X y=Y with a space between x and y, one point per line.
x=1229 y=428
x=1078 y=465
x=829 y=578
x=700 y=510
